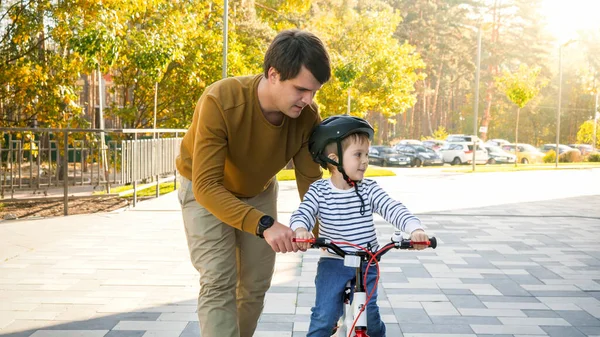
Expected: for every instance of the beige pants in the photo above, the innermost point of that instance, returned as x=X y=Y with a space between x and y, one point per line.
x=235 y=267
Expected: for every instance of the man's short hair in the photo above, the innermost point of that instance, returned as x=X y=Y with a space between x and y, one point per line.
x=291 y=49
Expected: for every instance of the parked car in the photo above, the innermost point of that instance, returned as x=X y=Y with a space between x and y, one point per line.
x=462 y=153
x=386 y=156
x=497 y=142
x=459 y=138
x=561 y=148
x=498 y=156
x=526 y=153
x=420 y=155
x=434 y=144
x=409 y=141
x=584 y=148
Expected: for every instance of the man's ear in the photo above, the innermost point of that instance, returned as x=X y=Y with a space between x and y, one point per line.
x=273 y=75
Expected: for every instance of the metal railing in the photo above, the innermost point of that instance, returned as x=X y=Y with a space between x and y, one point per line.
x=45 y=159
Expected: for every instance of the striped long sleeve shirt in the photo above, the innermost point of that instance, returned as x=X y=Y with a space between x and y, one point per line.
x=338 y=212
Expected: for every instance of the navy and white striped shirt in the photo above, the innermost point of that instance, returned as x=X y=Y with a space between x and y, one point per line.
x=338 y=212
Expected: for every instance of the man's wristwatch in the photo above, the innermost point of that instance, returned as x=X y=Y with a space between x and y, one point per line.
x=264 y=223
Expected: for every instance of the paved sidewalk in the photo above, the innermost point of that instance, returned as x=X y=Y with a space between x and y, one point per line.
x=527 y=269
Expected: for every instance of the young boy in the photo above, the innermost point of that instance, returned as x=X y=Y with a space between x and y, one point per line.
x=344 y=206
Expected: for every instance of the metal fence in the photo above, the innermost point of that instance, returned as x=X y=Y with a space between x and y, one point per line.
x=44 y=159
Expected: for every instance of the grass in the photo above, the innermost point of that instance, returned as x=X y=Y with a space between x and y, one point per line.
x=522 y=167
x=282 y=175
x=164 y=189
x=371 y=172
x=148 y=192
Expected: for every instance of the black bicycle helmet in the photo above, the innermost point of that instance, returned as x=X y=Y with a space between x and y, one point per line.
x=335 y=129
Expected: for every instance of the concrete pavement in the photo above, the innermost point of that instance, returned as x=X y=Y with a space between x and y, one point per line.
x=530 y=268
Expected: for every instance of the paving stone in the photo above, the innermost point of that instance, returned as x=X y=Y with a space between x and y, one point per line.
x=192 y=329
x=466 y=301
x=579 y=318
x=464 y=320
x=18 y=334
x=436 y=328
x=280 y=326
x=541 y=313
x=126 y=334
x=513 y=282
x=104 y=323
x=505 y=329
x=563 y=331
x=412 y=316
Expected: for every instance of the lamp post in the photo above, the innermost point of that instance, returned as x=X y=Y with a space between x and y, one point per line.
x=476 y=104
x=560 y=48
x=595 y=123
x=225 y=20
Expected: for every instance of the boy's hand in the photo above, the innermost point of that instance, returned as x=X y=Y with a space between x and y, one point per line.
x=419 y=235
x=302 y=233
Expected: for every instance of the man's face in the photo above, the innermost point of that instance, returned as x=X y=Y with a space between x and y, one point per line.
x=292 y=95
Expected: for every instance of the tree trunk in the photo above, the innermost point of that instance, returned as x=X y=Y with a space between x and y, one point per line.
x=517 y=137
x=435 y=97
x=384 y=130
x=425 y=112
x=493 y=70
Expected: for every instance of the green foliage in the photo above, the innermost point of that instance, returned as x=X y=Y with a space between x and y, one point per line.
x=407 y=65
x=570 y=157
x=380 y=71
x=371 y=172
x=594 y=157
x=565 y=157
x=550 y=157
x=586 y=132
x=440 y=133
x=521 y=86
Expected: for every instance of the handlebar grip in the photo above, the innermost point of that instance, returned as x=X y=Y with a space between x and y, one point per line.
x=408 y=244
x=432 y=242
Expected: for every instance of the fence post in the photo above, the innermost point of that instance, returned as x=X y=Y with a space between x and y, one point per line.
x=134 y=162
x=156 y=161
x=175 y=171
x=66 y=173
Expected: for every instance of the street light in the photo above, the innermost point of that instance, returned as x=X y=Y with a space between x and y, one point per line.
x=225 y=20
x=559 y=94
x=476 y=104
x=595 y=123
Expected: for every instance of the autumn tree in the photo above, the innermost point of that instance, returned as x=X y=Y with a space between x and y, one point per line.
x=520 y=87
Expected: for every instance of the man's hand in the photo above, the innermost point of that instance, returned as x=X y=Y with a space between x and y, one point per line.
x=302 y=233
x=419 y=235
x=279 y=237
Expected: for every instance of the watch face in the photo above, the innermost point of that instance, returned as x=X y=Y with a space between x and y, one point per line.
x=266 y=221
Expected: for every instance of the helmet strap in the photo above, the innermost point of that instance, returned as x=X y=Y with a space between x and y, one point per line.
x=352 y=183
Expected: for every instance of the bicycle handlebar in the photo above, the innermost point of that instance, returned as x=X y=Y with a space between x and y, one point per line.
x=402 y=244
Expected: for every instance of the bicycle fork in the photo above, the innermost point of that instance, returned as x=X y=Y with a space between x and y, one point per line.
x=353 y=309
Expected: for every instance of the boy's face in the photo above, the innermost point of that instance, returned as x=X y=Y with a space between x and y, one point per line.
x=292 y=95
x=356 y=159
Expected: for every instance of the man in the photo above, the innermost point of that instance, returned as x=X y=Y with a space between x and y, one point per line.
x=245 y=130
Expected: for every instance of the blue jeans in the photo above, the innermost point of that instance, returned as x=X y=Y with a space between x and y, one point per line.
x=330 y=282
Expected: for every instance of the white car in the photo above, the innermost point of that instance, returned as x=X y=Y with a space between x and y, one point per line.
x=462 y=153
x=460 y=138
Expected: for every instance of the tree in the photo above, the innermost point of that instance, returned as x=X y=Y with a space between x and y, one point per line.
x=520 y=87
x=369 y=64
x=586 y=132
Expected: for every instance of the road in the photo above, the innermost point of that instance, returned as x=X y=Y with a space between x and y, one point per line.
x=437 y=189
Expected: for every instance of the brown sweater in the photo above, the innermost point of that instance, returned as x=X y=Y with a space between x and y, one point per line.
x=232 y=151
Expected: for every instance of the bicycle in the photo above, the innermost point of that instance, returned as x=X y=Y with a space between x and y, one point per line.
x=354 y=315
